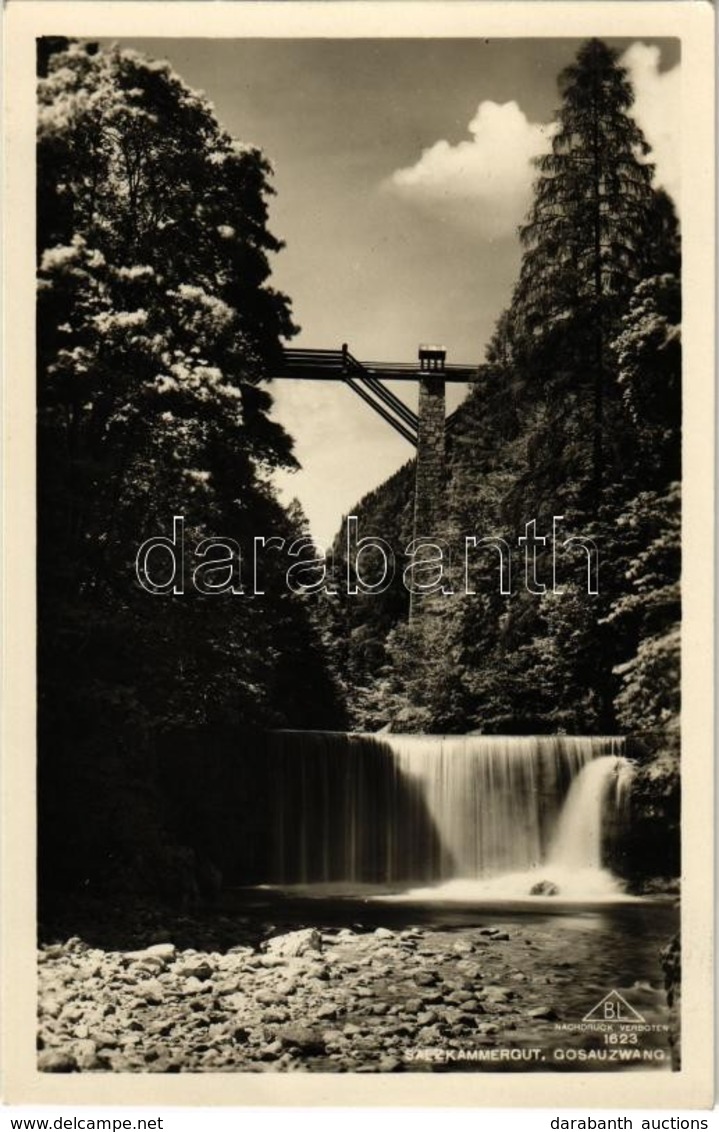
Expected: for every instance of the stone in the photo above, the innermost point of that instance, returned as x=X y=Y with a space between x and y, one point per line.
x=496 y=993
x=53 y=1061
x=462 y=947
x=86 y=971
x=296 y=943
x=149 y=964
x=460 y=997
x=162 y=1026
x=275 y=1014
x=197 y=970
x=267 y=997
x=50 y=951
x=302 y=1038
x=151 y=991
x=426 y=978
x=166 y=951
x=271 y=1051
x=540 y=1012
x=432 y=997
x=326 y=1011
x=544 y=888
x=412 y=1006
x=390 y=1065
x=236 y=1001
x=383 y=933
x=85 y=1054
x=228 y=986
x=451 y=1016
x=75 y=944
x=236 y=954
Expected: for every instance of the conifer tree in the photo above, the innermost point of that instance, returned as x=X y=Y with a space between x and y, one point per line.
x=588 y=241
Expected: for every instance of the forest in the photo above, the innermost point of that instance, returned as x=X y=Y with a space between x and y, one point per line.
x=157 y=328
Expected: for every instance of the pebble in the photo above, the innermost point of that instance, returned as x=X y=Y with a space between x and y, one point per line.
x=351 y=1000
x=55 y=1061
x=547 y=1012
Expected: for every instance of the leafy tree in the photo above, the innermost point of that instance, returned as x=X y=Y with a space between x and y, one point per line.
x=156 y=324
x=649 y=378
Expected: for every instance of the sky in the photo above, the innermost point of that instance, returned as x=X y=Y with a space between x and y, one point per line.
x=402 y=170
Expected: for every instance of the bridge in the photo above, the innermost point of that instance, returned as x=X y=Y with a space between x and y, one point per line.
x=366 y=379
x=425 y=430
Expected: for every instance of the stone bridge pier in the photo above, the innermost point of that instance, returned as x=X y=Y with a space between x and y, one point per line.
x=430 y=493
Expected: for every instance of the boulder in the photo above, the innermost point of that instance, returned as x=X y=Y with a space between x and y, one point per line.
x=301 y=1038
x=273 y=1014
x=151 y=991
x=52 y=1061
x=426 y=978
x=293 y=944
x=544 y=888
x=197 y=969
x=390 y=1065
x=542 y=1012
x=463 y=947
x=166 y=951
x=85 y=1054
x=327 y=1011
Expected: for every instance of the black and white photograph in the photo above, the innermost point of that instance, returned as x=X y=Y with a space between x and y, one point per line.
x=361 y=554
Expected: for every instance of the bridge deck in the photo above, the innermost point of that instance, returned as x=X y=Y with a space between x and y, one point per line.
x=337 y=365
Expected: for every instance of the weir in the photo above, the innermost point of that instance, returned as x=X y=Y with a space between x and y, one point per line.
x=419 y=810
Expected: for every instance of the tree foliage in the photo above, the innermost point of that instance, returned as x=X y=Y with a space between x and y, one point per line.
x=156 y=325
x=576 y=411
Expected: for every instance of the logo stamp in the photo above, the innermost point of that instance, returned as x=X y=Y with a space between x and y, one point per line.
x=612 y=1031
x=613 y=1008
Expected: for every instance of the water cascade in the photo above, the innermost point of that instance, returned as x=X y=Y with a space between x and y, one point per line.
x=500 y=813
x=577 y=841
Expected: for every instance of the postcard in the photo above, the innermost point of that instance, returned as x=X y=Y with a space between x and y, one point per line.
x=358 y=538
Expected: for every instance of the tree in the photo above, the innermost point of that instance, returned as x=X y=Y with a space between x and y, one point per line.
x=580 y=390
x=587 y=240
x=156 y=325
x=648 y=354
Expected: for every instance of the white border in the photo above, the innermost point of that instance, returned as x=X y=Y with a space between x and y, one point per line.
x=693 y=22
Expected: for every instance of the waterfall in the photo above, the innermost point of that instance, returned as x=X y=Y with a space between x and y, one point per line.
x=577 y=843
x=421 y=810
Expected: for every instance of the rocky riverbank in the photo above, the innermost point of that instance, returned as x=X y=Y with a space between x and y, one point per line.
x=332 y=1000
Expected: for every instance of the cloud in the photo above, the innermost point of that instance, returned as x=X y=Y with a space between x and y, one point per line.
x=487 y=179
x=492 y=173
x=657 y=109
